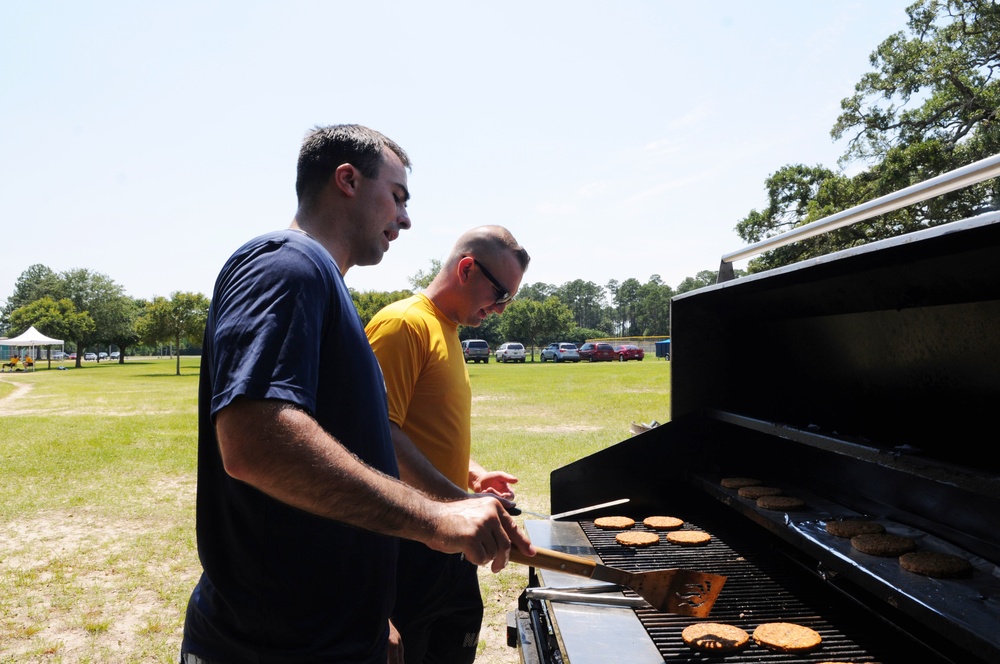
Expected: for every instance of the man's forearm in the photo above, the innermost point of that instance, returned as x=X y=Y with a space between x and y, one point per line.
x=283 y=452
x=416 y=469
x=475 y=472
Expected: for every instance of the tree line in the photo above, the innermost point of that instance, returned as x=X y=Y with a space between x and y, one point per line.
x=575 y=311
x=90 y=310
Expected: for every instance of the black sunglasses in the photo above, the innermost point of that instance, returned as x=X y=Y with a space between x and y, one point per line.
x=505 y=295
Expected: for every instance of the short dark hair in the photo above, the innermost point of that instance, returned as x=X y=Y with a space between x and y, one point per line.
x=324 y=149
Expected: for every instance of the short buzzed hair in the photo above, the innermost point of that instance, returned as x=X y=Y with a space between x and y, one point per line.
x=488 y=242
x=324 y=149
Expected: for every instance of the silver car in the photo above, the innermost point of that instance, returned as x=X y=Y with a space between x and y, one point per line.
x=560 y=352
x=476 y=350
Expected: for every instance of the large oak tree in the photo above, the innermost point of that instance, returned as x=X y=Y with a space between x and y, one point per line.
x=930 y=104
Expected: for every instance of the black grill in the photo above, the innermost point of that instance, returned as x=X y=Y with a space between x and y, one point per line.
x=860 y=382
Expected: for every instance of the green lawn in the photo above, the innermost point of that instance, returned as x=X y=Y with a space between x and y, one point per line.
x=530 y=418
x=97 y=472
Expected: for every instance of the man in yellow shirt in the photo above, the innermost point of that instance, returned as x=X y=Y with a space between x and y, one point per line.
x=439 y=609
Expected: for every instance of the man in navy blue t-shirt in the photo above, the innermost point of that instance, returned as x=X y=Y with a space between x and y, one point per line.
x=298 y=505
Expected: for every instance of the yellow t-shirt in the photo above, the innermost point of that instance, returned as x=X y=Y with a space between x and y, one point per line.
x=427 y=382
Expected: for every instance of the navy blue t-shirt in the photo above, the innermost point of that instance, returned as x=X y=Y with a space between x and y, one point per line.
x=280 y=584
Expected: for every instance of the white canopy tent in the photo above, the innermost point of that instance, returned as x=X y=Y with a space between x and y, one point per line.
x=30 y=339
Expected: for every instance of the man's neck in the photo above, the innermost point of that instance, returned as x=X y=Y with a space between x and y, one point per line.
x=439 y=293
x=329 y=241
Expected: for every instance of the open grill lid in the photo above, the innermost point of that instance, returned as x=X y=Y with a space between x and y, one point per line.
x=893 y=345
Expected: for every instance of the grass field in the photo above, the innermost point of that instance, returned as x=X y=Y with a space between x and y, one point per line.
x=97 y=473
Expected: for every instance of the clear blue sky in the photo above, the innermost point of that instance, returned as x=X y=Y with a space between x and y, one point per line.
x=624 y=139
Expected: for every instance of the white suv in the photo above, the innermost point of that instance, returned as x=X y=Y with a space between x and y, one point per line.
x=510 y=352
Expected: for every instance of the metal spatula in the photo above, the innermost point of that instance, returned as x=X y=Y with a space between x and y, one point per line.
x=680 y=591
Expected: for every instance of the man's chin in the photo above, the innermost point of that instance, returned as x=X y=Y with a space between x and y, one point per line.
x=374 y=259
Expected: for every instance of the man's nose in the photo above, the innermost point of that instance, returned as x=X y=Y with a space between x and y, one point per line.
x=404 y=220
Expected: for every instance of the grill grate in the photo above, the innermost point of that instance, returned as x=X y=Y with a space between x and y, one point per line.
x=762 y=586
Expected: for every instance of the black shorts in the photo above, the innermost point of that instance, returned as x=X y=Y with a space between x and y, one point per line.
x=439 y=608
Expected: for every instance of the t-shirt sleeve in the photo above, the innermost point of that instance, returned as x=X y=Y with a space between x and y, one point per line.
x=398 y=347
x=269 y=311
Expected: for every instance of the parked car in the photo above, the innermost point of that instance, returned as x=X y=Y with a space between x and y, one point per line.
x=71 y=356
x=511 y=351
x=560 y=352
x=628 y=352
x=115 y=355
x=102 y=355
x=597 y=352
x=60 y=355
x=90 y=356
x=476 y=350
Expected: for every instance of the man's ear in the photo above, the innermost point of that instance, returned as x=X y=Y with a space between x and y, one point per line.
x=464 y=268
x=345 y=178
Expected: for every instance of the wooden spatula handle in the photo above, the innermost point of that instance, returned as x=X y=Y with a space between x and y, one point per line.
x=556 y=561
